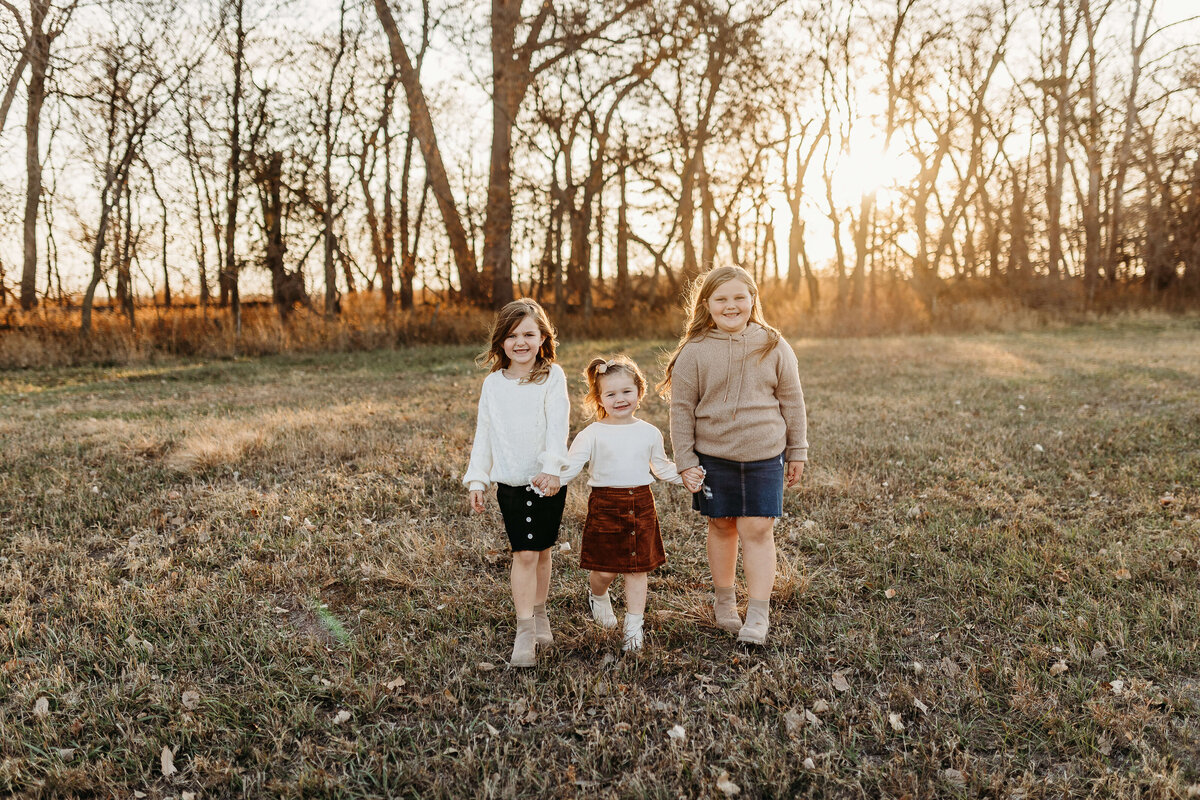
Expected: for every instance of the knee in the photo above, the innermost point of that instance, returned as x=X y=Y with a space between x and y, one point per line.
x=723 y=527
x=757 y=530
x=607 y=577
x=526 y=559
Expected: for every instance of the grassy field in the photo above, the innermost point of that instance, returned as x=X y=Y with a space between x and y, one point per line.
x=259 y=578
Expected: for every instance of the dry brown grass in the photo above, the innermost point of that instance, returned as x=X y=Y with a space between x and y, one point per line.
x=48 y=336
x=221 y=557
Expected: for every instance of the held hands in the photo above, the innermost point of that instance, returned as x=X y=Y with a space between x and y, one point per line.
x=794 y=470
x=546 y=483
x=476 y=499
x=693 y=478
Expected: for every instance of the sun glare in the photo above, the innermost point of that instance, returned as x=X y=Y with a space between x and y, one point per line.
x=867 y=166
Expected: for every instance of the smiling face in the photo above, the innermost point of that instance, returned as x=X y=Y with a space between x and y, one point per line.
x=729 y=306
x=521 y=347
x=619 y=396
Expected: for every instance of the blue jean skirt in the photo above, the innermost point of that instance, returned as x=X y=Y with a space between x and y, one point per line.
x=740 y=488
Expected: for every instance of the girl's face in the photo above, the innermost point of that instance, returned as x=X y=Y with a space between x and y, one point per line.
x=729 y=305
x=618 y=396
x=521 y=346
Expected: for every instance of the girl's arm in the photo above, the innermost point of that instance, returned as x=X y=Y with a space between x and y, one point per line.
x=478 y=475
x=663 y=468
x=791 y=404
x=579 y=455
x=558 y=421
x=685 y=394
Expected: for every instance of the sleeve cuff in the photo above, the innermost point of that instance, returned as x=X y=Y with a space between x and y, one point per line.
x=796 y=454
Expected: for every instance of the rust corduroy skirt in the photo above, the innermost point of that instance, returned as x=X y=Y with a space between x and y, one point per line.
x=621 y=532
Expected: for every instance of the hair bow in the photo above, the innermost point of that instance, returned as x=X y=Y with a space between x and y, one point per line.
x=603 y=368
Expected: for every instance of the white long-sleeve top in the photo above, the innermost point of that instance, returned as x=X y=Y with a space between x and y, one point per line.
x=521 y=430
x=622 y=455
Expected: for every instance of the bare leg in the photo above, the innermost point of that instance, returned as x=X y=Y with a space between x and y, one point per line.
x=543 y=575
x=598 y=582
x=524 y=577
x=723 y=549
x=636 y=586
x=758 y=555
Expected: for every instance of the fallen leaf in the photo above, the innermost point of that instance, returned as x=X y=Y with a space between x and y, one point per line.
x=678 y=733
x=809 y=764
x=1104 y=746
x=564 y=546
x=820 y=707
x=811 y=718
x=190 y=700
x=1059 y=668
x=396 y=683
x=1166 y=500
x=914 y=512
x=1118 y=686
x=918 y=668
x=793 y=722
x=896 y=722
x=1099 y=651
x=485 y=666
x=1037 y=448
x=168 y=762
x=889 y=594
x=41 y=707
x=840 y=683
x=187 y=796
x=727 y=787
x=949 y=666
x=66 y=753
x=923 y=708
x=341 y=717
x=1122 y=574
x=955 y=777
x=492 y=729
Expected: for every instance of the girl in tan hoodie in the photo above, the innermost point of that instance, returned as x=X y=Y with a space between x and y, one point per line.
x=738 y=424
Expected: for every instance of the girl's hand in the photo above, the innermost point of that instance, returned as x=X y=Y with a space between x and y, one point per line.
x=693 y=478
x=476 y=501
x=546 y=483
x=794 y=470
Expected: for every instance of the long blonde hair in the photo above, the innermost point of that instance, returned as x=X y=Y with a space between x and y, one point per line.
x=509 y=318
x=599 y=368
x=700 y=321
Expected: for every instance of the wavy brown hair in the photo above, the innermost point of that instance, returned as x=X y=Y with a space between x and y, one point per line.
x=601 y=368
x=507 y=319
x=700 y=322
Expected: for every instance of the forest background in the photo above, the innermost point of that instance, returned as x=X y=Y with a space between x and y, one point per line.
x=197 y=170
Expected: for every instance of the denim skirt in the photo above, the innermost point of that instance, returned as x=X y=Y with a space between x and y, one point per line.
x=740 y=488
x=530 y=521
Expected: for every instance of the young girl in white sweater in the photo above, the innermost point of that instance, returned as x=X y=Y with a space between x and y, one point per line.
x=521 y=446
x=621 y=534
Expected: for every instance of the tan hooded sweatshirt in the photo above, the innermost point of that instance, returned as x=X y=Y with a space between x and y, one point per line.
x=728 y=401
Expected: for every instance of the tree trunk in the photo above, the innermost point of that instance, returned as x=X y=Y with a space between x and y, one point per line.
x=422 y=126
x=229 y=276
x=38 y=49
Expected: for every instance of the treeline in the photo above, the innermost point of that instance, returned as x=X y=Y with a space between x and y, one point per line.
x=596 y=154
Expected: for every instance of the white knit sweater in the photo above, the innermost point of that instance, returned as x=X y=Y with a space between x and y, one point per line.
x=521 y=430
x=621 y=456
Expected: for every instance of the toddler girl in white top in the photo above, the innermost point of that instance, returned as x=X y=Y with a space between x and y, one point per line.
x=621 y=534
x=521 y=446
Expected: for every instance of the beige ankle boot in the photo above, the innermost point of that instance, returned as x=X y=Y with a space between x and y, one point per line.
x=524 y=652
x=725 y=609
x=757 y=622
x=545 y=637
